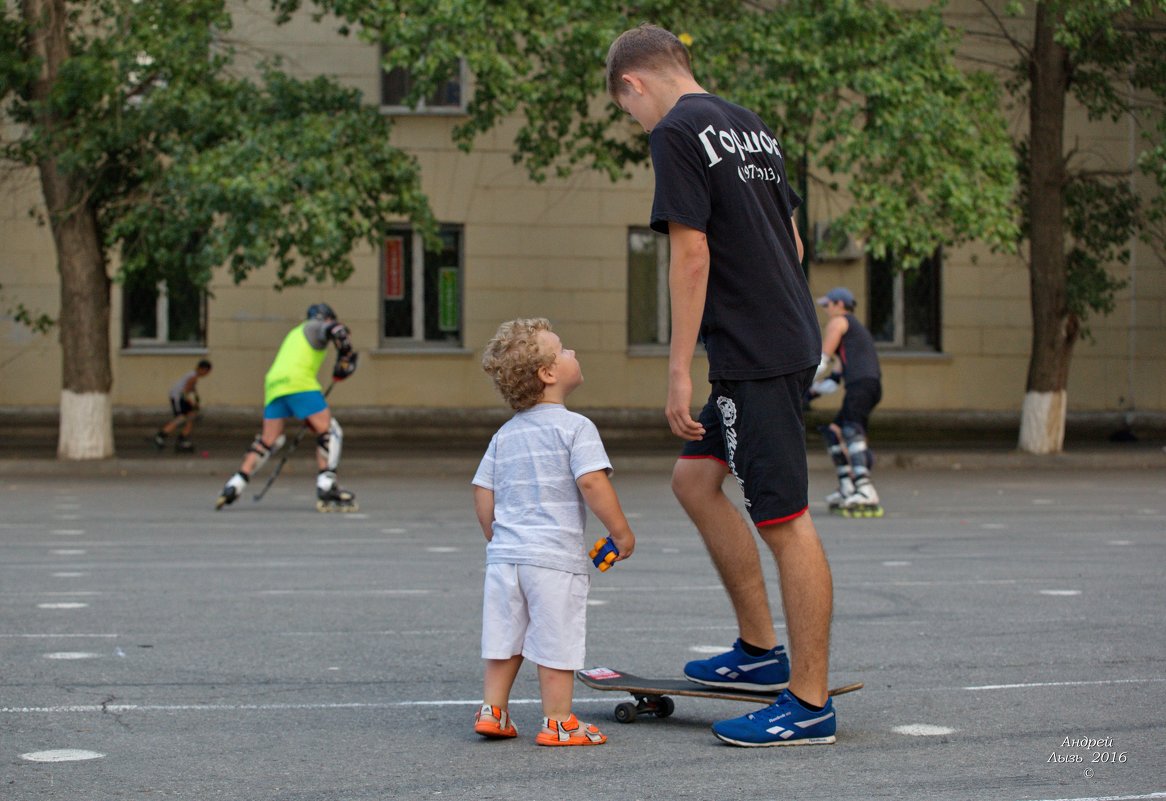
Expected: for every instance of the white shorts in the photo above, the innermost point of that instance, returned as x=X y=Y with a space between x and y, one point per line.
x=537 y=612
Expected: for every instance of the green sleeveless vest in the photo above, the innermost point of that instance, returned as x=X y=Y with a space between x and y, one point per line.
x=295 y=367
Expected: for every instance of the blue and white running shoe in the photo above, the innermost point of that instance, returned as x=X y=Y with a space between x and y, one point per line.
x=738 y=670
x=786 y=722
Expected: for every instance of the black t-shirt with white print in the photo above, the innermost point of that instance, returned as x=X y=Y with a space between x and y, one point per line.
x=719 y=169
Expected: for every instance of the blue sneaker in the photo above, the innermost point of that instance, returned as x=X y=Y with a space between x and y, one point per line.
x=786 y=722
x=738 y=670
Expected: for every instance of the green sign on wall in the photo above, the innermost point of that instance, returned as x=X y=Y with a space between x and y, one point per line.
x=448 y=299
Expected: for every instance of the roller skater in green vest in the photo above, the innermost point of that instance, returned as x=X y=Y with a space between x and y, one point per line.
x=291 y=390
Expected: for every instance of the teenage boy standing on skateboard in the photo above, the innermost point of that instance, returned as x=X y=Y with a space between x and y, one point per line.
x=736 y=283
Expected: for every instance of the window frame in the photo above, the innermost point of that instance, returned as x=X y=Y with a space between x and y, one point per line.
x=663 y=325
x=899 y=324
x=416 y=296
x=423 y=108
x=161 y=341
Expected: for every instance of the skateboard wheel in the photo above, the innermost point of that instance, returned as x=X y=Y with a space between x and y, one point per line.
x=665 y=707
x=625 y=713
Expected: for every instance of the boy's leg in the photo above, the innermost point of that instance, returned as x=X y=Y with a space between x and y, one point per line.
x=557 y=690
x=499 y=678
x=698 y=485
x=807 y=594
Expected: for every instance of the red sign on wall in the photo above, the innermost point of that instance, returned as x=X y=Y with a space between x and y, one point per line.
x=394 y=268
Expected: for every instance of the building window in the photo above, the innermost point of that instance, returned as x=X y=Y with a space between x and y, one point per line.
x=905 y=304
x=163 y=314
x=649 y=313
x=397 y=83
x=421 y=290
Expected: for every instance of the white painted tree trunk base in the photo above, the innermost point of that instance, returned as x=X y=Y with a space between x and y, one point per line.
x=1042 y=422
x=86 y=429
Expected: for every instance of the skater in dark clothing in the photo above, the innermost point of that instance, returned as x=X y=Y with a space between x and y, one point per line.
x=184 y=403
x=291 y=390
x=847 y=339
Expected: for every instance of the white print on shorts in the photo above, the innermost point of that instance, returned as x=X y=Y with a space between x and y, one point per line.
x=728 y=411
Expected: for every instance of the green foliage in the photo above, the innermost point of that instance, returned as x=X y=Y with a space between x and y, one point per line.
x=873 y=97
x=1117 y=67
x=189 y=166
x=869 y=93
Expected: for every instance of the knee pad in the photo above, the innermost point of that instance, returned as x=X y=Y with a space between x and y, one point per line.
x=835 y=447
x=329 y=445
x=860 y=456
x=263 y=450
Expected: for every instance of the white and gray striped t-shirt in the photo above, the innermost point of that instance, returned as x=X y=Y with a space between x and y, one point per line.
x=531 y=465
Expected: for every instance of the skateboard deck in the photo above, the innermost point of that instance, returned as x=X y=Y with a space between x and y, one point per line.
x=652 y=694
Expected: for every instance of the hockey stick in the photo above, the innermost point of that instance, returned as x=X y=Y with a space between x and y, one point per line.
x=286 y=453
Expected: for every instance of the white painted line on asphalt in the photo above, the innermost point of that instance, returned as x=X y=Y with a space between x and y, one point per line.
x=67 y=517
x=69 y=574
x=57 y=636
x=923 y=730
x=707 y=649
x=71 y=655
x=1119 y=542
x=394 y=530
x=61 y=755
x=68 y=532
x=66 y=605
x=123 y=708
x=994 y=526
x=443 y=549
x=894 y=563
x=69 y=552
x=1032 y=685
x=1061 y=593
x=1106 y=798
x=344 y=592
x=593 y=602
x=383 y=633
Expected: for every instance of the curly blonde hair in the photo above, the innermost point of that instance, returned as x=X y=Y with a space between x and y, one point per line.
x=512 y=359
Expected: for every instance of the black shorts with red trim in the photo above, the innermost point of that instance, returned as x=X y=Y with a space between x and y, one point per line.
x=756 y=429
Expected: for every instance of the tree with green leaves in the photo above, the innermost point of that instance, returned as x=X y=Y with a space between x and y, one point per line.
x=1080 y=216
x=154 y=156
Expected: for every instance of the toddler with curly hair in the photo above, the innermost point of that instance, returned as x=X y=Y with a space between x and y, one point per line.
x=542 y=470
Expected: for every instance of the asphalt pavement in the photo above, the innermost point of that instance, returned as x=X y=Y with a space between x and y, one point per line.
x=1005 y=615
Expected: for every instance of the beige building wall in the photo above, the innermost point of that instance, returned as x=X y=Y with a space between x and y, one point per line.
x=559 y=250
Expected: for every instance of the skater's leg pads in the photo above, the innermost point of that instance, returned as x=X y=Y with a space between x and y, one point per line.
x=329 y=445
x=263 y=450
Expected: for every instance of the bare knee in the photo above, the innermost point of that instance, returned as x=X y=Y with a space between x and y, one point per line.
x=696 y=480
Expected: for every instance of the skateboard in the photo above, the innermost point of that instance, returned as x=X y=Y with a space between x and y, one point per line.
x=652 y=695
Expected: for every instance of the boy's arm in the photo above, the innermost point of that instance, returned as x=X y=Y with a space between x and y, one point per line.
x=484 y=509
x=798 y=238
x=601 y=498
x=688 y=274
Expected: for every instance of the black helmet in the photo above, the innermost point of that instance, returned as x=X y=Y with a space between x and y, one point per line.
x=321 y=311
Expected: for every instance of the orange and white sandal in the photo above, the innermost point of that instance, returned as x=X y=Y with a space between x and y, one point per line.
x=494 y=722
x=569 y=732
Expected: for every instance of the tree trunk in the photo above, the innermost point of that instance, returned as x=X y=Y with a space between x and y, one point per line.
x=1054 y=328
x=86 y=425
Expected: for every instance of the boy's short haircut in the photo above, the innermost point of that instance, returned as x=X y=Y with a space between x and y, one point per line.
x=512 y=358
x=646 y=47
x=204 y=364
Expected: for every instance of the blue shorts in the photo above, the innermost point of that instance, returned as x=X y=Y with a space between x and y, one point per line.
x=300 y=405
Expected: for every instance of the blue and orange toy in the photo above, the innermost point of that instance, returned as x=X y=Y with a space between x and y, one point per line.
x=604 y=553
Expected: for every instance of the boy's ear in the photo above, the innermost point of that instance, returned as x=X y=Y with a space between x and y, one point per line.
x=547 y=375
x=632 y=82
